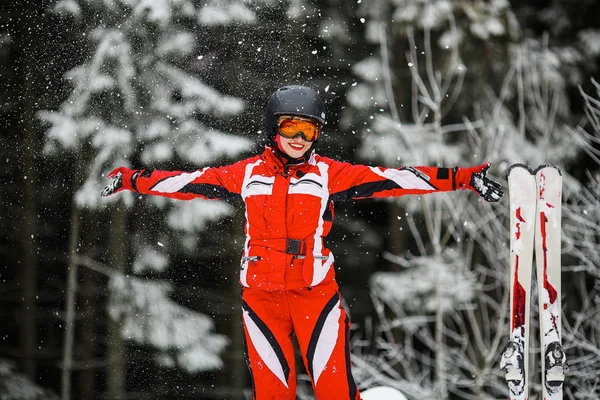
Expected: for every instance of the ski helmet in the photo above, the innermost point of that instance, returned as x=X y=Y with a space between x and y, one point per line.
x=296 y=100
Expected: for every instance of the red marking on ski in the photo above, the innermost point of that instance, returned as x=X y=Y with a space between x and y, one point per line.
x=520 y=218
x=518 y=312
x=542 y=185
x=551 y=291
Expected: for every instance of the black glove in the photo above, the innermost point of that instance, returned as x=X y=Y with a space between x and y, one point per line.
x=123 y=179
x=116 y=185
x=487 y=188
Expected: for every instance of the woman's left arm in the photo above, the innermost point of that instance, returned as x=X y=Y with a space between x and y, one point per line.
x=354 y=182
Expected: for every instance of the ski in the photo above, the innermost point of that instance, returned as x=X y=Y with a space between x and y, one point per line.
x=548 y=262
x=515 y=358
x=535 y=224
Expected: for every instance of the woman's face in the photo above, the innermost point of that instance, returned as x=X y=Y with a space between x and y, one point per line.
x=295 y=147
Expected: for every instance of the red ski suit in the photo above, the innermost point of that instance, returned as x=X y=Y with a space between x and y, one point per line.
x=286 y=272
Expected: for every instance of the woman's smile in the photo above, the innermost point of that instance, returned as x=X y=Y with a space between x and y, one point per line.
x=295 y=147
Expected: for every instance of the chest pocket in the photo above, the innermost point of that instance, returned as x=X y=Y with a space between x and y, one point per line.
x=258 y=185
x=311 y=184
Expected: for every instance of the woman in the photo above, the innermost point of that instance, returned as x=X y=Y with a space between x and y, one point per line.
x=287 y=273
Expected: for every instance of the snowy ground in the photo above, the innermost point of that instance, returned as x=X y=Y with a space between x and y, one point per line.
x=382 y=393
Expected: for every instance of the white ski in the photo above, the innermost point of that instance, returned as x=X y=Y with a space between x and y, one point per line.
x=515 y=359
x=548 y=261
x=535 y=217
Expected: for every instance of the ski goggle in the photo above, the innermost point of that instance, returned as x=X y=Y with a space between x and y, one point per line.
x=291 y=126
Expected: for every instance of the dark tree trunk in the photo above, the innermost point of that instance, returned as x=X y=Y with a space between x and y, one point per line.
x=91 y=310
x=69 y=336
x=26 y=39
x=116 y=345
x=239 y=367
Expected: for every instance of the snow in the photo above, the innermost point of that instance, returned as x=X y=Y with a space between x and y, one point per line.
x=408 y=143
x=198 y=143
x=17 y=386
x=408 y=12
x=193 y=216
x=298 y=9
x=197 y=96
x=450 y=39
x=110 y=136
x=164 y=130
x=419 y=289
x=158 y=127
x=150 y=259
x=68 y=7
x=226 y=14
x=149 y=316
x=360 y=97
x=433 y=13
x=63 y=130
x=157 y=152
x=159 y=11
x=494 y=26
x=590 y=41
x=382 y=393
x=176 y=44
x=135 y=97
x=368 y=69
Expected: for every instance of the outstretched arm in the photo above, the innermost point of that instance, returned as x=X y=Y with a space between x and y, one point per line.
x=208 y=183
x=353 y=182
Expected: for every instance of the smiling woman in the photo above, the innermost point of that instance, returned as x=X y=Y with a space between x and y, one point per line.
x=286 y=272
x=295 y=116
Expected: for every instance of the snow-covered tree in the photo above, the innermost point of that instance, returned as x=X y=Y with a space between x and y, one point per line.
x=443 y=317
x=16 y=386
x=434 y=302
x=581 y=235
x=138 y=100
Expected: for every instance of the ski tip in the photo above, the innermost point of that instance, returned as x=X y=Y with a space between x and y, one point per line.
x=549 y=165
x=519 y=166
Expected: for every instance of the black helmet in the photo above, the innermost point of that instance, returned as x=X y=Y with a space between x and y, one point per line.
x=293 y=100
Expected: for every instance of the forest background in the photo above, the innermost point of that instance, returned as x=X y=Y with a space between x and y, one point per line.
x=138 y=298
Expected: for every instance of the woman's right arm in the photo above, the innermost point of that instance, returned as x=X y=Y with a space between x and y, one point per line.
x=222 y=183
